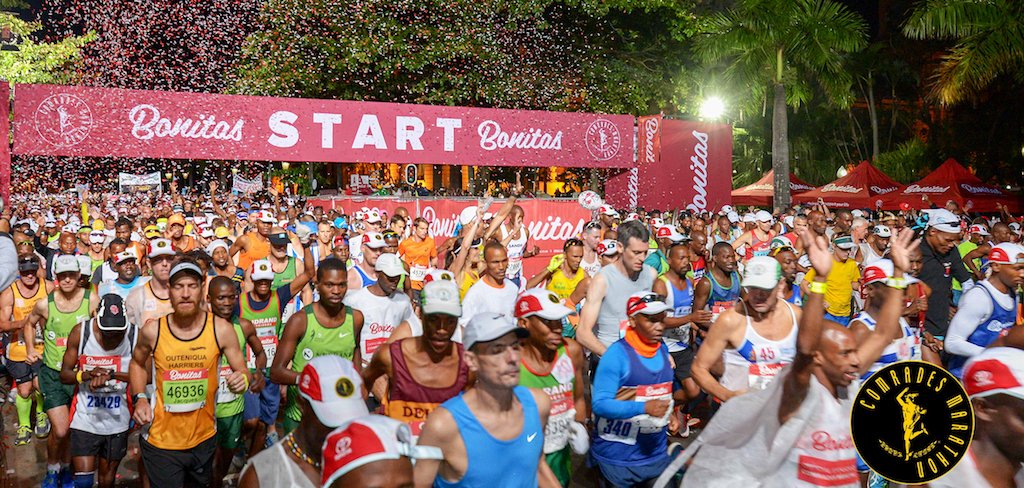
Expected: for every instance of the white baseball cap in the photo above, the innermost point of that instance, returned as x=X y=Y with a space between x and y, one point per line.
x=66 y=263
x=978 y=229
x=761 y=272
x=542 y=303
x=749 y=217
x=489 y=326
x=217 y=244
x=261 y=270
x=608 y=210
x=1005 y=253
x=733 y=217
x=943 y=220
x=124 y=256
x=372 y=217
x=996 y=370
x=161 y=247
x=669 y=232
x=85 y=264
x=390 y=264
x=608 y=247
x=763 y=216
x=333 y=388
x=726 y=209
x=374 y=240
x=266 y=216
x=882 y=231
x=441 y=296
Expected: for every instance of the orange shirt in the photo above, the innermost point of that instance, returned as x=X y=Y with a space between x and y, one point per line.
x=417 y=254
x=259 y=248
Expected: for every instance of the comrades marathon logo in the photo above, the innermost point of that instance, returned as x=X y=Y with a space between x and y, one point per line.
x=63 y=120
x=912 y=422
x=603 y=139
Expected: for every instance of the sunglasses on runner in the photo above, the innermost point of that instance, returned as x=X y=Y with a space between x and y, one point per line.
x=593 y=224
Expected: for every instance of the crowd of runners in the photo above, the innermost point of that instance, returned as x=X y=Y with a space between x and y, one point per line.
x=292 y=345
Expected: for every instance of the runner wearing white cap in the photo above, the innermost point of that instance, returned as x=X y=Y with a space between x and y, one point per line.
x=372 y=451
x=428 y=368
x=756 y=241
x=755 y=339
x=127 y=276
x=666 y=236
x=254 y=245
x=363 y=273
x=152 y=300
x=875 y=246
x=976 y=259
x=554 y=364
x=632 y=397
x=994 y=379
x=986 y=309
x=222 y=263
x=383 y=305
x=329 y=394
x=493 y=433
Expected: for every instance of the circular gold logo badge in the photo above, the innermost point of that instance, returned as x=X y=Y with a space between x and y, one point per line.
x=344 y=387
x=912 y=422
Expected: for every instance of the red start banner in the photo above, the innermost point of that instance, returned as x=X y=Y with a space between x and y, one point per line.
x=550 y=222
x=83 y=121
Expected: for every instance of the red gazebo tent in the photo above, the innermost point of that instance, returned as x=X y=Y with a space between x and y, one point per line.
x=761 y=192
x=952 y=181
x=863 y=187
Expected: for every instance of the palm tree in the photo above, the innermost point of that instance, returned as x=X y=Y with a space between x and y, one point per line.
x=990 y=42
x=779 y=47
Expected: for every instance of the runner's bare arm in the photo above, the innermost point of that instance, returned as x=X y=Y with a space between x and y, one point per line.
x=94 y=301
x=138 y=370
x=70 y=361
x=40 y=312
x=240 y=245
x=741 y=240
x=580 y=292
x=500 y=216
x=459 y=263
x=701 y=295
x=888 y=320
x=249 y=478
x=253 y=341
x=797 y=383
x=307 y=274
x=380 y=365
x=710 y=351
x=585 y=333
x=294 y=329
x=354 y=280
x=579 y=362
x=238 y=381
x=439 y=431
x=538 y=278
x=7 y=311
x=357 y=330
x=976 y=253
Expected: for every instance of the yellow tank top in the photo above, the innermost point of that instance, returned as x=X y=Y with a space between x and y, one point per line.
x=22 y=308
x=186 y=385
x=259 y=248
x=562 y=285
x=469 y=278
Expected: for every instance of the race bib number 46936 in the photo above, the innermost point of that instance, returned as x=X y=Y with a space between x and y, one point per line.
x=184 y=390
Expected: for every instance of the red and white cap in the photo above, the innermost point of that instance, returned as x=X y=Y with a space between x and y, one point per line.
x=266 y=216
x=996 y=370
x=333 y=388
x=1006 y=253
x=608 y=210
x=607 y=247
x=647 y=303
x=124 y=256
x=438 y=274
x=261 y=270
x=374 y=240
x=978 y=229
x=669 y=232
x=631 y=216
x=373 y=217
x=879 y=270
x=161 y=247
x=366 y=440
x=542 y=303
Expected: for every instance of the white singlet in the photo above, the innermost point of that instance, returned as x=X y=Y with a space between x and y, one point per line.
x=380 y=317
x=516 y=249
x=756 y=363
x=103 y=411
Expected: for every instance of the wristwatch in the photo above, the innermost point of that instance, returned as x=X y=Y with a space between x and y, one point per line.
x=137 y=396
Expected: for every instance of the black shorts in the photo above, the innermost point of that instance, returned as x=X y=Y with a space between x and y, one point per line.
x=110 y=447
x=173 y=469
x=683 y=360
x=22 y=372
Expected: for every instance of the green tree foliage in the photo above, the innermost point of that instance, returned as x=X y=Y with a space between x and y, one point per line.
x=38 y=62
x=989 y=38
x=614 y=56
x=784 y=51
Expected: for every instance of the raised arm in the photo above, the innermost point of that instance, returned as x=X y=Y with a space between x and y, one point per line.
x=798 y=381
x=888 y=320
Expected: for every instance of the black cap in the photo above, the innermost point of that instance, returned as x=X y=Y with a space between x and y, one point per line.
x=111 y=313
x=28 y=264
x=29 y=233
x=279 y=239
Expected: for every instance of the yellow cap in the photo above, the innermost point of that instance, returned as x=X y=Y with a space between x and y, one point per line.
x=221 y=232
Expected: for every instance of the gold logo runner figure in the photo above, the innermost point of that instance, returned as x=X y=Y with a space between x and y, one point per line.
x=911 y=416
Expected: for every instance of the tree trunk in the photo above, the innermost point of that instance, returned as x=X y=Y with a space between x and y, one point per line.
x=780 y=148
x=873 y=114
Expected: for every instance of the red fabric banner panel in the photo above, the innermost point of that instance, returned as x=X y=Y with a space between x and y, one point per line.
x=5 y=148
x=550 y=222
x=84 y=121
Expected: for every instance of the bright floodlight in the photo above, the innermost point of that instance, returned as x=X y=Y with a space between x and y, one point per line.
x=712 y=108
